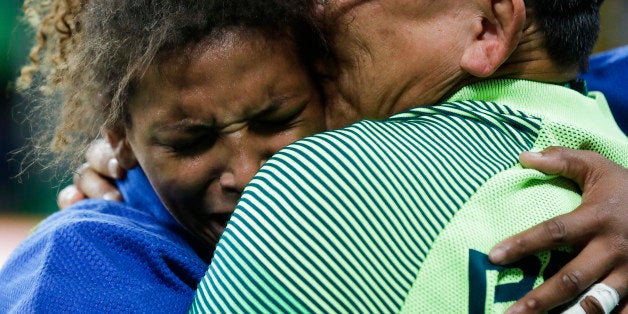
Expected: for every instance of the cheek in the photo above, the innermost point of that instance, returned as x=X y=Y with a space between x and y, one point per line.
x=313 y=120
x=341 y=115
x=179 y=182
x=278 y=141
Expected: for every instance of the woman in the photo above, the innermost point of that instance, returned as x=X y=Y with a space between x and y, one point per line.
x=198 y=94
x=113 y=137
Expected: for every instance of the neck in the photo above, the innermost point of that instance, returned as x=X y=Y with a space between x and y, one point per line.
x=529 y=61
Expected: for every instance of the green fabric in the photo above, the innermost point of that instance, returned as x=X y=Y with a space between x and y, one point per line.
x=515 y=199
x=387 y=216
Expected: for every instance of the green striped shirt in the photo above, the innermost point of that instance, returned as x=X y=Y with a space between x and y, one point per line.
x=398 y=215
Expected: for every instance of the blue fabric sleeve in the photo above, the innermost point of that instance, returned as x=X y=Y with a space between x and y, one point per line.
x=101 y=256
x=607 y=74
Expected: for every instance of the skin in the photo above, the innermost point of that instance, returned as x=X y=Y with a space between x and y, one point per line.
x=371 y=52
x=371 y=77
x=202 y=126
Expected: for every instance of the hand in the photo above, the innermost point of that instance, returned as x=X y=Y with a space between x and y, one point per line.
x=599 y=225
x=93 y=178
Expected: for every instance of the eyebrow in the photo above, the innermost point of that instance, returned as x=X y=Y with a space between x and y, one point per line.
x=191 y=126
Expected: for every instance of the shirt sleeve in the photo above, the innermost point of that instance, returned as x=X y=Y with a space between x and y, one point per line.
x=294 y=246
x=82 y=261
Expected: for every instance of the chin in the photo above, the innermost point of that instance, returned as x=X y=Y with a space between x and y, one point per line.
x=218 y=228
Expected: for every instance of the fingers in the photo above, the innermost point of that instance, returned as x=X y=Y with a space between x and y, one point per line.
x=598 y=225
x=589 y=304
x=584 y=167
x=93 y=185
x=571 y=280
x=570 y=228
x=602 y=297
x=618 y=281
x=69 y=196
x=102 y=160
x=92 y=180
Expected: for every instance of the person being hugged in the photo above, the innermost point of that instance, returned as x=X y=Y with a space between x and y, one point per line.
x=193 y=96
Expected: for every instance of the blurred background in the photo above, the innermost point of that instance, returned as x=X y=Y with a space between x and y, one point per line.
x=26 y=200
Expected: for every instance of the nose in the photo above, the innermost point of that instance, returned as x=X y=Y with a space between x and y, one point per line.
x=245 y=161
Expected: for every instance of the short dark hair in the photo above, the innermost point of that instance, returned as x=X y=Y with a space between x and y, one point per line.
x=571 y=28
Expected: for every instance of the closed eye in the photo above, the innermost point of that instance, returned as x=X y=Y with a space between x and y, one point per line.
x=190 y=146
x=277 y=122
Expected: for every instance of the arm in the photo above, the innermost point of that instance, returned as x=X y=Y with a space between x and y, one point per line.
x=598 y=226
x=587 y=169
x=100 y=257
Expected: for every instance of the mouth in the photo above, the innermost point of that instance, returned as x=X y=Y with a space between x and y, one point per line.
x=219 y=221
x=221 y=218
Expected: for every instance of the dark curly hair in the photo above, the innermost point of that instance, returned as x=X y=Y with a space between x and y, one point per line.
x=90 y=54
x=571 y=28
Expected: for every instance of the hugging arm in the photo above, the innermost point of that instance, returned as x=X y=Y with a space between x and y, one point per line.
x=598 y=227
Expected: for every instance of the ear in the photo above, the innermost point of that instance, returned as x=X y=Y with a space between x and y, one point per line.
x=121 y=148
x=497 y=35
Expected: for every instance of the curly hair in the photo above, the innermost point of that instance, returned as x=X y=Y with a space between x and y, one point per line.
x=91 y=53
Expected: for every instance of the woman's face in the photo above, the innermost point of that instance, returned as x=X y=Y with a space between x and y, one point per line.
x=202 y=126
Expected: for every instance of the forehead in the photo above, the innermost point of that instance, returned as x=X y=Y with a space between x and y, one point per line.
x=231 y=46
x=331 y=12
x=222 y=79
